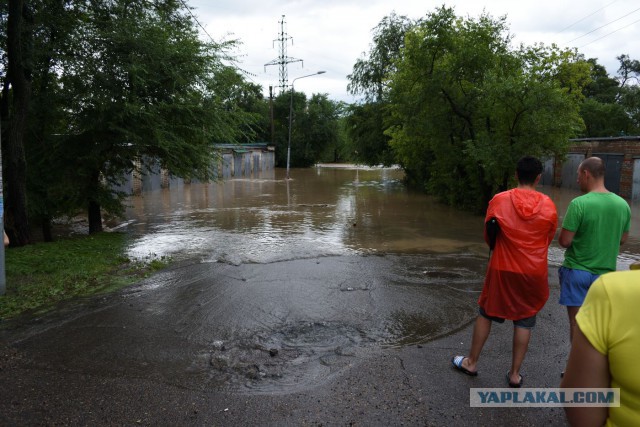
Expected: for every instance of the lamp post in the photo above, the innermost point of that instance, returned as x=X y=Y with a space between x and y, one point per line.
x=291 y=115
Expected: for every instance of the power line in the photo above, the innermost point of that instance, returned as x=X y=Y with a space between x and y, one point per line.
x=588 y=16
x=248 y=74
x=197 y=22
x=605 y=25
x=607 y=35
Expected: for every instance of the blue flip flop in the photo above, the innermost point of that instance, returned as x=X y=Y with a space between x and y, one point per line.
x=456 y=361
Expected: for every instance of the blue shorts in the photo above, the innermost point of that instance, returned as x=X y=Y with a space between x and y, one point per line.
x=526 y=323
x=574 y=285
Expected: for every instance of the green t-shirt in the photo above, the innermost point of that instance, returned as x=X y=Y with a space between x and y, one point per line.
x=598 y=220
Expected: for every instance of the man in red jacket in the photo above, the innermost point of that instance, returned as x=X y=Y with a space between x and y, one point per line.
x=516 y=285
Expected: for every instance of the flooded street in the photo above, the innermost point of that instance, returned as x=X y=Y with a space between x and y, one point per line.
x=320 y=212
x=288 y=281
x=278 y=285
x=299 y=277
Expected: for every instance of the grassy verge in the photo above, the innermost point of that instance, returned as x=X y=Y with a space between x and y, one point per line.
x=43 y=274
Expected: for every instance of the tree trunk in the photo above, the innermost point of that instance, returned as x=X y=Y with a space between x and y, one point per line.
x=18 y=35
x=95 y=217
x=47 y=234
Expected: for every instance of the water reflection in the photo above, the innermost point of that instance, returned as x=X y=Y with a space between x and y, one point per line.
x=320 y=212
x=290 y=280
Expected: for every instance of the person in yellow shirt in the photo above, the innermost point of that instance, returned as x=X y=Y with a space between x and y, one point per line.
x=604 y=350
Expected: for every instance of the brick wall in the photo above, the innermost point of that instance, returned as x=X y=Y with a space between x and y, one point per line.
x=629 y=146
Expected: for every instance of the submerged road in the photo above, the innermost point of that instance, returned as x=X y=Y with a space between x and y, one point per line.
x=130 y=359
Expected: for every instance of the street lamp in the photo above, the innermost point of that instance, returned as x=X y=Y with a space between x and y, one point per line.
x=291 y=115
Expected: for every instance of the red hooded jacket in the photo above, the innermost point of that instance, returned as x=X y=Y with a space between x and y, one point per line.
x=516 y=285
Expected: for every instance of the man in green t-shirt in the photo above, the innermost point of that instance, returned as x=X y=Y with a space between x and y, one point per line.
x=594 y=227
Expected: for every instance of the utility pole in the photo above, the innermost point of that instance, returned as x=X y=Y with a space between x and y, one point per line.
x=283 y=60
x=273 y=132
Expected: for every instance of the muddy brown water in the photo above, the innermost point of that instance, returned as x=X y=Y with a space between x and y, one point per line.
x=324 y=211
x=279 y=284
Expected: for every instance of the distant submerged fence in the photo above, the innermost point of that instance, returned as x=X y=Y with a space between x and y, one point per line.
x=621 y=155
x=236 y=160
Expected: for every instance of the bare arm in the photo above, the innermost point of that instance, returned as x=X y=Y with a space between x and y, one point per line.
x=587 y=367
x=566 y=237
x=624 y=238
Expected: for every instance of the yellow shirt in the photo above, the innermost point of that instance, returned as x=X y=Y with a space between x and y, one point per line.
x=610 y=319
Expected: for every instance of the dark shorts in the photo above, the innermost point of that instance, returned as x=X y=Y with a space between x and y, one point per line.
x=574 y=285
x=526 y=323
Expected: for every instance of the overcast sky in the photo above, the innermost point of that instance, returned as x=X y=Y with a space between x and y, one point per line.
x=330 y=35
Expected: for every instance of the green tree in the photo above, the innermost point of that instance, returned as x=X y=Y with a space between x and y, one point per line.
x=604 y=119
x=108 y=85
x=281 y=106
x=602 y=88
x=321 y=122
x=630 y=101
x=133 y=84
x=245 y=105
x=629 y=71
x=467 y=106
x=367 y=122
x=315 y=128
x=341 y=151
x=629 y=77
x=365 y=126
x=141 y=87
x=54 y=22
x=14 y=110
x=370 y=74
x=602 y=112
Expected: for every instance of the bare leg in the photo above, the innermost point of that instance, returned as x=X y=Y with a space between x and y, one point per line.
x=521 y=337
x=481 y=331
x=572 y=311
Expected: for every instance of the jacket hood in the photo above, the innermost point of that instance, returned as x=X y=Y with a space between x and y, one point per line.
x=527 y=203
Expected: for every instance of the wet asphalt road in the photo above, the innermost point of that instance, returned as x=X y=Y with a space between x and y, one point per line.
x=50 y=377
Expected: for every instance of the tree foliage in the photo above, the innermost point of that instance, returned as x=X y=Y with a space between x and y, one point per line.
x=608 y=108
x=322 y=128
x=365 y=124
x=14 y=111
x=454 y=103
x=370 y=73
x=629 y=77
x=467 y=106
x=315 y=128
x=122 y=83
x=143 y=87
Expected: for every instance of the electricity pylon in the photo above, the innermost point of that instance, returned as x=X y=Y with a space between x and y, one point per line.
x=283 y=60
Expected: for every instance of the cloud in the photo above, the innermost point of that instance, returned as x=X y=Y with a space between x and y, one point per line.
x=331 y=35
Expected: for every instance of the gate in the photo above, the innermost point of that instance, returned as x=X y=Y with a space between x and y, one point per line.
x=635 y=186
x=613 y=170
x=570 y=171
x=547 y=172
